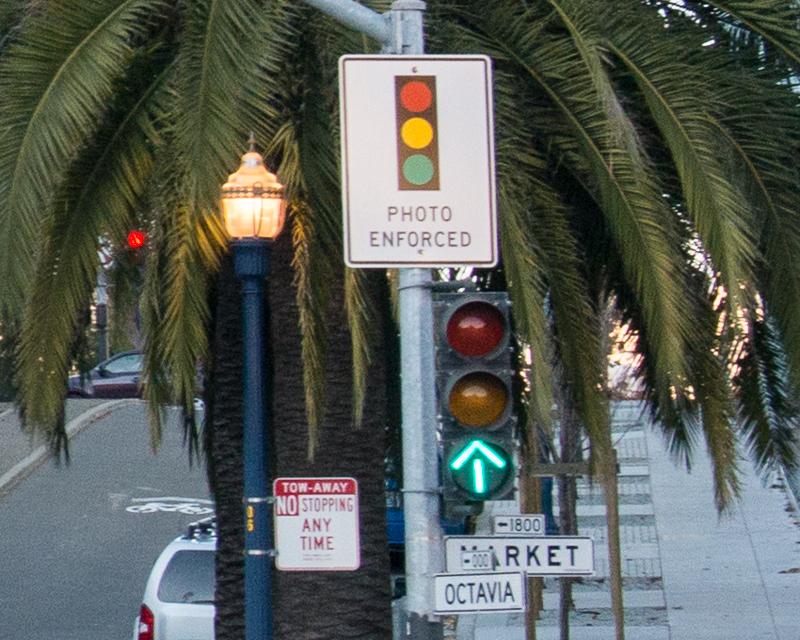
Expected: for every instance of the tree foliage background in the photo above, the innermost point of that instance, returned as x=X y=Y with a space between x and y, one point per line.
x=646 y=162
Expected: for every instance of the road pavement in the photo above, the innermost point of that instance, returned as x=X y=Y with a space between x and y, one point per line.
x=77 y=541
x=78 y=558
x=687 y=573
x=21 y=453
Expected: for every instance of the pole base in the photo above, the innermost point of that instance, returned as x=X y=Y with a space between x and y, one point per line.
x=420 y=628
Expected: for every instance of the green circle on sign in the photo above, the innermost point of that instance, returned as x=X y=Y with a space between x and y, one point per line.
x=418 y=169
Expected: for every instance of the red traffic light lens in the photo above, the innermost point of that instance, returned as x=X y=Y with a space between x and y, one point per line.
x=136 y=239
x=476 y=329
x=478 y=399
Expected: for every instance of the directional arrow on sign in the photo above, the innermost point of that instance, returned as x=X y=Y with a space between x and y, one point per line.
x=480 y=463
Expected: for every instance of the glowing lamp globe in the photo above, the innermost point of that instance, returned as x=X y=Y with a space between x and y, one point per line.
x=252 y=200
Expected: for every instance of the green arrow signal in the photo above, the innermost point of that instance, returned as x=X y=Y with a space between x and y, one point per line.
x=471 y=448
x=488 y=469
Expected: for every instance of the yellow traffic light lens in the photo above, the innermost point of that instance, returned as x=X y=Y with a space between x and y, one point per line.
x=478 y=399
x=417 y=133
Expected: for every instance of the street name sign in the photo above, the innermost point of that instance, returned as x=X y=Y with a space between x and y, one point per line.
x=418 y=171
x=543 y=556
x=529 y=524
x=478 y=592
x=316 y=524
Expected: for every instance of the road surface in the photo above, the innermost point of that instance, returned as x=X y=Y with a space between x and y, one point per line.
x=77 y=542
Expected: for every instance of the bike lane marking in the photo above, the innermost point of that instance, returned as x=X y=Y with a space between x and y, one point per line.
x=171 y=504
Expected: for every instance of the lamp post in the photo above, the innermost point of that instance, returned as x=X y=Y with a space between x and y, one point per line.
x=254 y=210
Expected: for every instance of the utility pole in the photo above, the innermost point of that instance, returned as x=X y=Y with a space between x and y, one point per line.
x=400 y=32
x=101 y=315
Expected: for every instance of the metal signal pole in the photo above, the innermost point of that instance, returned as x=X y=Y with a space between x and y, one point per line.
x=400 y=31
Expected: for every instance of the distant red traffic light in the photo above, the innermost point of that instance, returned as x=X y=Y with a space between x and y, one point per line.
x=136 y=239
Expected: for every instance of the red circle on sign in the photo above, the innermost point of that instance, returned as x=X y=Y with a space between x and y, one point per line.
x=416 y=96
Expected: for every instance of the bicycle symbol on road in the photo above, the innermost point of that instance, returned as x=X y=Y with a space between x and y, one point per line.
x=172 y=504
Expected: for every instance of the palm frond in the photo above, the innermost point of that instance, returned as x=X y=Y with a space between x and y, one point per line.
x=52 y=101
x=542 y=262
x=721 y=443
x=174 y=305
x=312 y=300
x=677 y=94
x=302 y=134
x=218 y=62
x=576 y=324
x=362 y=315
x=98 y=199
x=675 y=413
x=596 y=141
x=776 y=21
x=710 y=385
x=768 y=410
x=520 y=247
x=761 y=150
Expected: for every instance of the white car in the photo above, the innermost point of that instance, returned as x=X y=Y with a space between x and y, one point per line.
x=178 y=601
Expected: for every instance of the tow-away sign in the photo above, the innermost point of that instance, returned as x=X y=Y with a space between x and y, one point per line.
x=543 y=556
x=316 y=524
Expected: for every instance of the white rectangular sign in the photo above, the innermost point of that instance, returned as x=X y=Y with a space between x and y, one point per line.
x=418 y=172
x=478 y=592
x=529 y=524
x=545 y=556
x=316 y=524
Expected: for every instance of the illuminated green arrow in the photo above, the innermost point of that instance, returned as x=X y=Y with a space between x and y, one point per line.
x=487 y=471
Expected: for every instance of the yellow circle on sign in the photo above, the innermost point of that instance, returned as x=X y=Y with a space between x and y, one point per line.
x=417 y=133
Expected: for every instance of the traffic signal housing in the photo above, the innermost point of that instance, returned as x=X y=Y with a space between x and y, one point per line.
x=417 y=133
x=474 y=390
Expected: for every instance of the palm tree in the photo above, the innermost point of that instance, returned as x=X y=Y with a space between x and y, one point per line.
x=646 y=155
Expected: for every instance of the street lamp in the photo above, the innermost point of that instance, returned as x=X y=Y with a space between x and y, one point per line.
x=254 y=210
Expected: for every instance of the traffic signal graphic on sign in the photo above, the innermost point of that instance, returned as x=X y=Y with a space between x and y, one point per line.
x=417 y=133
x=474 y=380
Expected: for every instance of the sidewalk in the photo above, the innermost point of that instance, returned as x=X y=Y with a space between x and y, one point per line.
x=687 y=575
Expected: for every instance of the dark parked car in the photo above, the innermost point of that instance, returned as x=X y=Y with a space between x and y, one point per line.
x=117 y=377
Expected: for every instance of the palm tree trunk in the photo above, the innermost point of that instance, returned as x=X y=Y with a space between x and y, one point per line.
x=307 y=605
x=223 y=442
x=327 y=605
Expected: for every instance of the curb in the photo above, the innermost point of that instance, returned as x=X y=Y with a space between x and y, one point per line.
x=20 y=470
